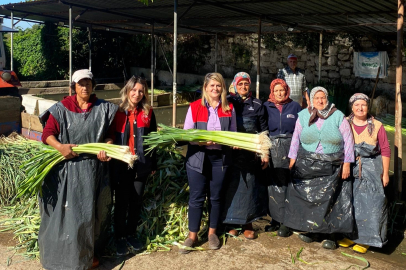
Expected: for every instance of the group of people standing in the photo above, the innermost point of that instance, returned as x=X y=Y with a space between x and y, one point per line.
x=324 y=178
x=325 y=173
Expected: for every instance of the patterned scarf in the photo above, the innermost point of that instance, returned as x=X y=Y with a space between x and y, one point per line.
x=233 y=87
x=370 y=118
x=328 y=110
x=285 y=86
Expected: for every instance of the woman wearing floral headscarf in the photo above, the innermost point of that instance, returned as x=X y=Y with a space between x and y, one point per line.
x=318 y=200
x=371 y=175
x=282 y=115
x=244 y=194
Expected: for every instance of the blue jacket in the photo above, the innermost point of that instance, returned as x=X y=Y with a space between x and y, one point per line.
x=251 y=115
x=282 y=123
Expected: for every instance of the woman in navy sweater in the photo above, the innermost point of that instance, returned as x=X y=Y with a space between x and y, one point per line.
x=282 y=116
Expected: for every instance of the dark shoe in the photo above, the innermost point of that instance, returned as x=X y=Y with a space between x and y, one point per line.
x=328 y=244
x=134 y=243
x=283 y=231
x=272 y=226
x=188 y=243
x=233 y=232
x=306 y=237
x=121 y=246
x=214 y=242
x=95 y=263
x=249 y=232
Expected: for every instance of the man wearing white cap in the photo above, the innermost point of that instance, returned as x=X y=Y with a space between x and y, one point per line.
x=296 y=80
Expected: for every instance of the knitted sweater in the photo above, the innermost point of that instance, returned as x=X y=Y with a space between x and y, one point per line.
x=329 y=136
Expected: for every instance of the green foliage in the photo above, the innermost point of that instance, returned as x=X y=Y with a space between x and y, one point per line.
x=28 y=58
x=42 y=52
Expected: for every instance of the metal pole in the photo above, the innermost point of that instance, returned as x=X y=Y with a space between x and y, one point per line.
x=175 y=60
x=259 y=56
x=320 y=53
x=90 y=48
x=398 y=104
x=215 y=54
x=11 y=43
x=70 y=48
x=152 y=64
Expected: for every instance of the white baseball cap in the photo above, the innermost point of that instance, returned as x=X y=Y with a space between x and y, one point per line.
x=81 y=74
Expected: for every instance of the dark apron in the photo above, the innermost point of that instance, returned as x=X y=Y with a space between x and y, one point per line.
x=244 y=194
x=76 y=199
x=279 y=175
x=317 y=199
x=370 y=205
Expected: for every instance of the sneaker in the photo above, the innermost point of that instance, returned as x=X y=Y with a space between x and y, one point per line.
x=283 y=231
x=214 y=242
x=121 y=246
x=134 y=243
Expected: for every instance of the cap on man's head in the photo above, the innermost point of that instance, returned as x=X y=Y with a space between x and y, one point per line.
x=292 y=56
x=81 y=74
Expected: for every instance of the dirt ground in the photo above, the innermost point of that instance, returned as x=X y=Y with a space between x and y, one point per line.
x=265 y=252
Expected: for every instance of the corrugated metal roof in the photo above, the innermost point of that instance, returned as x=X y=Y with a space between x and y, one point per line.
x=210 y=16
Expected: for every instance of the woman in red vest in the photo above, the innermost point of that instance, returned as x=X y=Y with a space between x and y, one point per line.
x=134 y=119
x=207 y=162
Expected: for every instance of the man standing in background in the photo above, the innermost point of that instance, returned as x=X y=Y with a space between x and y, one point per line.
x=296 y=80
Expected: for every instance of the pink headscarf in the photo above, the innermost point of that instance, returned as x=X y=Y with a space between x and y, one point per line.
x=272 y=95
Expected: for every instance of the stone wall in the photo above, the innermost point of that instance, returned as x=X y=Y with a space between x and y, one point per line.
x=337 y=62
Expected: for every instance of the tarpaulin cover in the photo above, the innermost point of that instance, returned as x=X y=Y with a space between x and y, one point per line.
x=244 y=194
x=76 y=198
x=317 y=199
x=279 y=174
x=370 y=205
